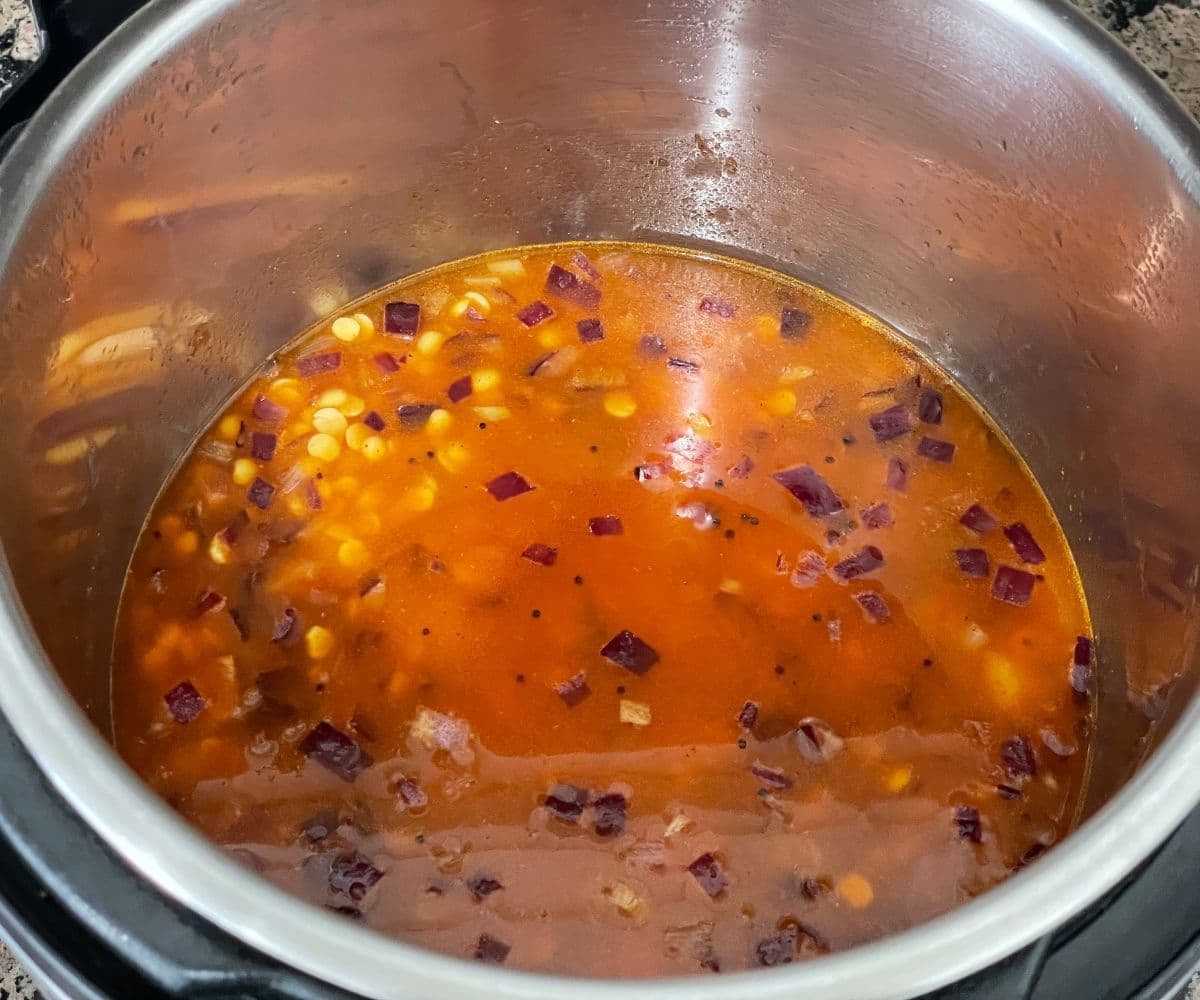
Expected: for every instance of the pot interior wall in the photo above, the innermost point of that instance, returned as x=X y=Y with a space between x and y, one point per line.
x=924 y=159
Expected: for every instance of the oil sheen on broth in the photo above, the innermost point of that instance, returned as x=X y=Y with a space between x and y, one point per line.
x=608 y=609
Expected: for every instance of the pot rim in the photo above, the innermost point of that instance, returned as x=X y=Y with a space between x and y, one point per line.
x=176 y=859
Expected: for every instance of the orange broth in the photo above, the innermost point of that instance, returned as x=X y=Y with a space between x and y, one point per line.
x=612 y=610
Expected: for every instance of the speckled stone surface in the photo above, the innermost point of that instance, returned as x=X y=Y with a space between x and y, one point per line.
x=1164 y=35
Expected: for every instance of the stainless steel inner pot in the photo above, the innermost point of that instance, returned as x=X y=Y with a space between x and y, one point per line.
x=992 y=177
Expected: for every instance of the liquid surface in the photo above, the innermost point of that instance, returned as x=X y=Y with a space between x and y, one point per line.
x=613 y=611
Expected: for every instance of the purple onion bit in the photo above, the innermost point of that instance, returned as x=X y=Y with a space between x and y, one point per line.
x=566 y=802
x=874 y=608
x=459 y=389
x=607 y=524
x=590 y=330
x=1080 y=674
x=569 y=286
x=334 y=750
x=387 y=363
x=184 y=702
x=897 y=475
x=402 y=318
x=375 y=421
x=267 y=410
x=482 y=886
x=209 y=601
x=876 y=516
x=683 y=365
x=970 y=827
x=581 y=261
x=1052 y=742
x=508 y=485
x=543 y=555
x=865 y=561
x=748 y=716
x=718 y=307
x=1013 y=586
x=610 y=812
x=491 y=950
x=411 y=794
x=353 y=875
x=413 y=416
x=772 y=777
x=1024 y=545
x=929 y=407
x=810 y=567
x=890 y=423
x=741 y=469
x=262 y=446
x=651 y=347
x=284 y=625
x=1018 y=758
x=573 y=690
x=534 y=313
x=312 y=495
x=806 y=485
x=260 y=493
x=709 y=875
x=978 y=520
x=626 y=650
x=816 y=740
x=318 y=364
x=794 y=324
x=973 y=563
x=935 y=450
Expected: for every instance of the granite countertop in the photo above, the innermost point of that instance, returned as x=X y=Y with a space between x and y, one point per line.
x=1163 y=34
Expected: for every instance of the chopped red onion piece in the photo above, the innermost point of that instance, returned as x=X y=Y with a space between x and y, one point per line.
x=874 y=607
x=707 y=872
x=209 y=601
x=683 y=365
x=262 y=446
x=267 y=410
x=700 y=514
x=810 y=567
x=834 y=626
x=1013 y=586
x=806 y=485
x=334 y=750
x=284 y=625
x=480 y=886
x=387 y=363
x=590 y=330
x=772 y=777
x=1080 y=674
x=581 y=261
x=184 y=702
x=607 y=524
x=260 y=493
x=573 y=690
x=626 y=650
x=897 y=475
x=935 y=450
x=542 y=365
x=353 y=875
x=543 y=555
x=718 y=307
x=748 y=716
x=1008 y=792
x=473 y=314
x=459 y=389
x=1083 y=651
x=794 y=324
x=508 y=485
x=1024 y=545
x=319 y=364
x=929 y=407
x=230 y=533
x=412 y=794
x=375 y=421
x=373 y=584
x=312 y=495
x=402 y=318
x=649 y=472
x=564 y=284
x=610 y=810
x=970 y=827
x=978 y=520
x=1032 y=853
x=533 y=314
x=778 y=949
x=1018 y=757
x=816 y=740
x=890 y=423
x=1052 y=742
x=566 y=802
x=973 y=562
x=491 y=950
x=651 y=346
x=865 y=561
x=239 y=622
x=413 y=416
x=876 y=516
x=743 y=468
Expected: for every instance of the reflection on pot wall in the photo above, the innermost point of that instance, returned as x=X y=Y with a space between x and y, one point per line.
x=265 y=175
